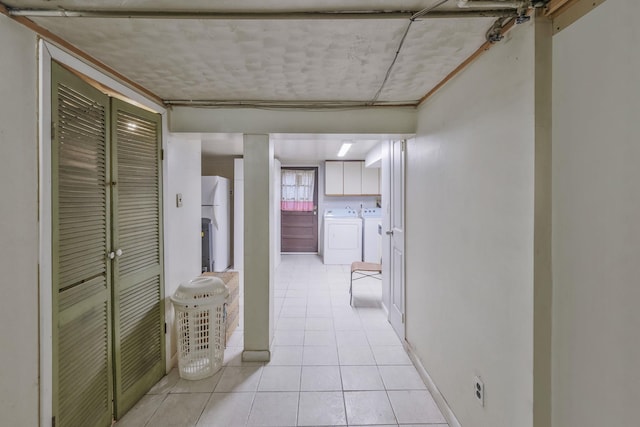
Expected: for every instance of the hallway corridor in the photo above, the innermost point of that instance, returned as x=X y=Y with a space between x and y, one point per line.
x=331 y=365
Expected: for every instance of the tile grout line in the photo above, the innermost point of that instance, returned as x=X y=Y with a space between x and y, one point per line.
x=205 y=404
x=146 y=423
x=335 y=332
x=253 y=400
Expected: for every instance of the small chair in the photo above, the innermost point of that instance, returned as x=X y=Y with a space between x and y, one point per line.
x=364 y=269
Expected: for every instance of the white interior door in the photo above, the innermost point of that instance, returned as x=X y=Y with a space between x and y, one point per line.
x=396 y=232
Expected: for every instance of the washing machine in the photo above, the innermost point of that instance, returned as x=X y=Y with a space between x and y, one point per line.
x=371 y=235
x=342 y=236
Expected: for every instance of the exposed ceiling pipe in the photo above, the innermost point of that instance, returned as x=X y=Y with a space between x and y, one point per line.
x=521 y=6
x=512 y=4
x=286 y=15
x=318 y=105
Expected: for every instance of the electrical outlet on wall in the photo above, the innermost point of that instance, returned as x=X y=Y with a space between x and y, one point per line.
x=478 y=390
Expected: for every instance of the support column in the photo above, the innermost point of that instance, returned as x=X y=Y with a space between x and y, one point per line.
x=542 y=274
x=258 y=276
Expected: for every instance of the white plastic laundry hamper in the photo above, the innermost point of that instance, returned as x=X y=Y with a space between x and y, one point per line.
x=200 y=325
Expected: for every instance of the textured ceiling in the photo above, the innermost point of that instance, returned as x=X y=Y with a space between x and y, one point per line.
x=299 y=60
x=241 y=60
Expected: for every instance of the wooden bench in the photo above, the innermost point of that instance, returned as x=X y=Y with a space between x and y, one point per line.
x=362 y=270
x=230 y=278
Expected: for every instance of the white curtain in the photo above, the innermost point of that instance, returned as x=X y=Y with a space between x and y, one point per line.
x=297 y=190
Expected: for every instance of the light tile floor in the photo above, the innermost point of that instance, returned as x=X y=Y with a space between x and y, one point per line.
x=332 y=365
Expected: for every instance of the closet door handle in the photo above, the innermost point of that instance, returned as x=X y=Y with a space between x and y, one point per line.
x=389 y=233
x=111 y=255
x=119 y=252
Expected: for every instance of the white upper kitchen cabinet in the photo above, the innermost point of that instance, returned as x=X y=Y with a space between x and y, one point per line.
x=352 y=178
x=333 y=178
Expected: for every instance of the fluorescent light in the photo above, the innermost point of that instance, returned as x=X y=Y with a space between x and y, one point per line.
x=344 y=148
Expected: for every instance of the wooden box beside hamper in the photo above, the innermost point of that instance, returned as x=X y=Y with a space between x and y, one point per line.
x=231 y=279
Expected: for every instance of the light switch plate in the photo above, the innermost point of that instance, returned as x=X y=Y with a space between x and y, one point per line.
x=179 y=200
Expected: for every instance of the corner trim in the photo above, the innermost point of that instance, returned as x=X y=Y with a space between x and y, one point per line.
x=45 y=287
x=433 y=389
x=173 y=362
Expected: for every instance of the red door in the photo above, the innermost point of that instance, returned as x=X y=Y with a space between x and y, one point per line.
x=299 y=209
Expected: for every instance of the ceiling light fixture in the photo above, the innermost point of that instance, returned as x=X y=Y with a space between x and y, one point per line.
x=344 y=148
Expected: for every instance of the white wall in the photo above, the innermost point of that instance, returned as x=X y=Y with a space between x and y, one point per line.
x=260 y=121
x=596 y=213
x=353 y=202
x=183 y=243
x=18 y=226
x=470 y=230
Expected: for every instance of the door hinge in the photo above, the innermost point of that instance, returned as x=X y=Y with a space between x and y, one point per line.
x=162 y=154
x=53 y=421
x=403 y=145
x=165 y=328
x=53 y=131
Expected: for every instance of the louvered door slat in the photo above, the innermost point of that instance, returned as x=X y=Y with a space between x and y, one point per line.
x=81 y=232
x=82 y=400
x=138 y=291
x=141 y=309
x=81 y=291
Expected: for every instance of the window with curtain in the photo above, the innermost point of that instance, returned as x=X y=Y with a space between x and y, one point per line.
x=297 y=190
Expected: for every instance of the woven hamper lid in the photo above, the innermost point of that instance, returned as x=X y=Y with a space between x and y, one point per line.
x=200 y=291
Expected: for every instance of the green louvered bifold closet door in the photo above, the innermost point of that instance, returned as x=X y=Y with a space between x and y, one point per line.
x=82 y=374
x=138 y=304
x=108 y=309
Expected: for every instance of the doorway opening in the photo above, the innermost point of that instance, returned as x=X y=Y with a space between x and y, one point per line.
x=299 y=209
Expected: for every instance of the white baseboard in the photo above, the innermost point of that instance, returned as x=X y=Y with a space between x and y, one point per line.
x=386 y=311
x=256 y=355
x=447 y=413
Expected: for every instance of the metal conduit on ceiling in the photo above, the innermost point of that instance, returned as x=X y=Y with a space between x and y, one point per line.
x=223 y=15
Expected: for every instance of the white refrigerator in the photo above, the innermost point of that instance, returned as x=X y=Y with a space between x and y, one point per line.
x=216 y=206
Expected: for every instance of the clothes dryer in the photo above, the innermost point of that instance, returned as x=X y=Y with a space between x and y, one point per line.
x=342 y=236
